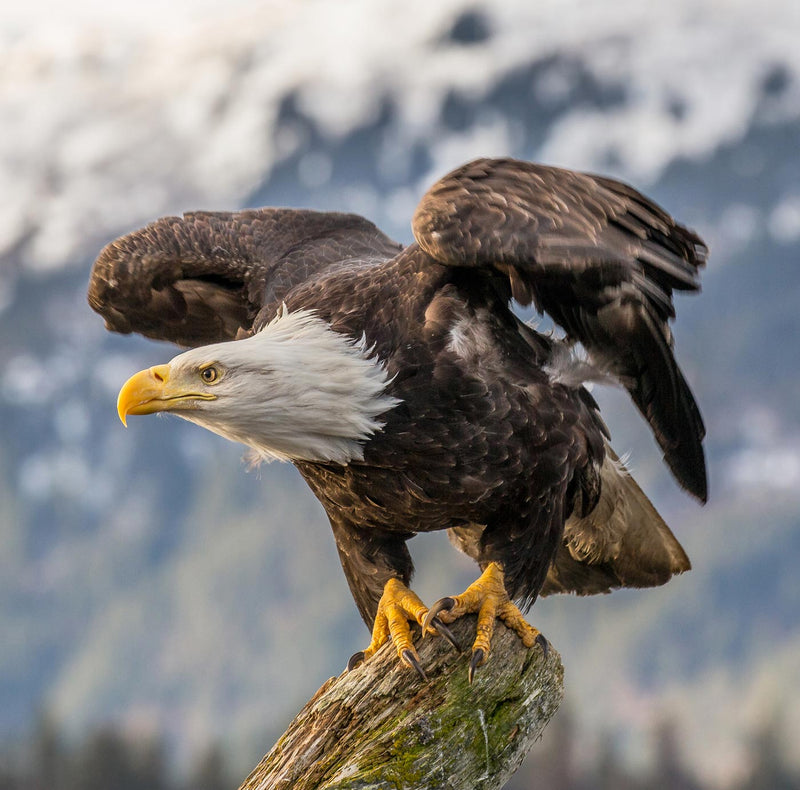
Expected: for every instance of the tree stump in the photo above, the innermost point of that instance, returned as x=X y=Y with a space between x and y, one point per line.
x=383 y=727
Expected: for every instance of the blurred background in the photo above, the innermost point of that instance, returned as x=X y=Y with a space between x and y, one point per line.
x=163 y=612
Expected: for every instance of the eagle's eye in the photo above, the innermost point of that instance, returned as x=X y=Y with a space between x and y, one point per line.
x=209 y=374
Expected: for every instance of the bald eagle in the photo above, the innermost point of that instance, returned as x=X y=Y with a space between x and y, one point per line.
x=410 y=396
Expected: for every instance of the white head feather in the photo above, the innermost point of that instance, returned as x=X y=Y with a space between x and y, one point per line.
x=297 y=390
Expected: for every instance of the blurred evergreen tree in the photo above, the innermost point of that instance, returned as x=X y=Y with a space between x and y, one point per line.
x=609 y=773
x=669 y=772
x=47 y=755
x=9 y=780
x=210 y=773
x=770 y=771
x=551 y=763
x=107 y=760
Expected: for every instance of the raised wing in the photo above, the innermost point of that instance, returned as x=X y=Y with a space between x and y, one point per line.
x=600 y=258
x=207 y=277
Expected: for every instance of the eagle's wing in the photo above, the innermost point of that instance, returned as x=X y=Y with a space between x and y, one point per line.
x=207 y=277
x=600 y=258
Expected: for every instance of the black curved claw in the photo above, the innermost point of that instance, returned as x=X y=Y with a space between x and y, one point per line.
x=478 y=657
x=544 y=644
x=410 y=659
x=355 y=660
x=444 y=631
x=442 y=605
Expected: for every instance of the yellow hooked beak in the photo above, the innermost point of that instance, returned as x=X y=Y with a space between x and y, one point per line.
x=152 y=390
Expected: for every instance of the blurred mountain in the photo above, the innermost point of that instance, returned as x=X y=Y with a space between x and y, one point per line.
x=148 y=579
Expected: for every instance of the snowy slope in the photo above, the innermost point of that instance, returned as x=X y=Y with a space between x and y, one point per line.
x=108 y=124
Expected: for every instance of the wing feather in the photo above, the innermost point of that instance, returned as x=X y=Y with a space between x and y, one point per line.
x=600 y=258
x=211 y=276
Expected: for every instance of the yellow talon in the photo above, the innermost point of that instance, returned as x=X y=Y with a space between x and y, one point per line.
x=513 y=618
x=488 y=598
x=398 y=605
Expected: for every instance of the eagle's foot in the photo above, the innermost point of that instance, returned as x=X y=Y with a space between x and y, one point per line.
x=488 y=598
x=398 y=606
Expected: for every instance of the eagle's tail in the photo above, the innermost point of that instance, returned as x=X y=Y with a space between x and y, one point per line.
x=622 y=542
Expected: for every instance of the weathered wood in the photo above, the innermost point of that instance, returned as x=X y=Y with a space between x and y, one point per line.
x=383 y=727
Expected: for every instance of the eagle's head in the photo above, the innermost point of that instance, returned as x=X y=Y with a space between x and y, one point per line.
x=296 y=390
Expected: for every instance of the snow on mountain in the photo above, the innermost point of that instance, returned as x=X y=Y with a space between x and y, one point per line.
x=112 y=118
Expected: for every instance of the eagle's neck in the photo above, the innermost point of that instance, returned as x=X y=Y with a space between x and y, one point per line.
x=299 y=392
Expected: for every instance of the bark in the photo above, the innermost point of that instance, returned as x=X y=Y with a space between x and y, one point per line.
x=381 y=726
